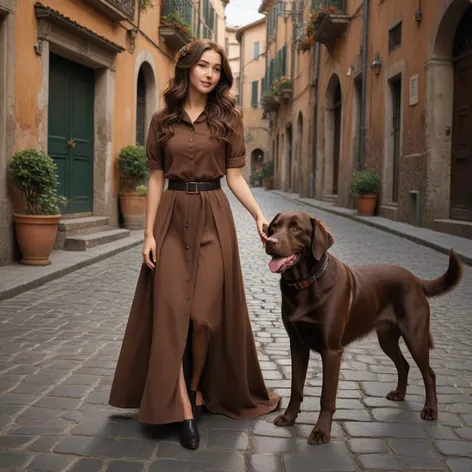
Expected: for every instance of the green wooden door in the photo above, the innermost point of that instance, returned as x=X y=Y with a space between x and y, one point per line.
x=71 y=129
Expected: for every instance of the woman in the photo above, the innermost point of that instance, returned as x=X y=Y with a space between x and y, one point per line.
x=191 y=275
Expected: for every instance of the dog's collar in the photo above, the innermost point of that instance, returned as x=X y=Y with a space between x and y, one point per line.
x=319 y=268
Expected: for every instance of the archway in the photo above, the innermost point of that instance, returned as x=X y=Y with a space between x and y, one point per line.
x=461 y=150
x=288 y=159
x=257 y=160
x=449 y=117
x=146 y=101
x=333 y=124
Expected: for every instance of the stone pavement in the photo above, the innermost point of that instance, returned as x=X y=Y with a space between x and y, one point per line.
x=59 y=344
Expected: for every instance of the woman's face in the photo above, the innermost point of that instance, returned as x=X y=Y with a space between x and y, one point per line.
x=206 y=73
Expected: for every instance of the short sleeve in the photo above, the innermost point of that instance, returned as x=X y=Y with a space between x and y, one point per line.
x=236 y=148
x=154 y=152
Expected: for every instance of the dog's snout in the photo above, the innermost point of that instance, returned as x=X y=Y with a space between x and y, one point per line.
x=272 y=242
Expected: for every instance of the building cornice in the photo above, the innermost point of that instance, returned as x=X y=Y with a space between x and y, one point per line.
x=240 y=31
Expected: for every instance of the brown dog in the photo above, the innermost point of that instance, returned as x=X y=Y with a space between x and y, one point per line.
x=326 y=305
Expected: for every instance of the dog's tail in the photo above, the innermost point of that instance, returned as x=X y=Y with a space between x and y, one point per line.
x=446 y=282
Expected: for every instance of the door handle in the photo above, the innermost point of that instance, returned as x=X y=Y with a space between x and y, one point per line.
x=71 y=143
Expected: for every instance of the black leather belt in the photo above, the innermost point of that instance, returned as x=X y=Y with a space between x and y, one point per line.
x=194 y=187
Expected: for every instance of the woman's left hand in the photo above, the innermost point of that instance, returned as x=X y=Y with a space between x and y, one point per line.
x=261 y=222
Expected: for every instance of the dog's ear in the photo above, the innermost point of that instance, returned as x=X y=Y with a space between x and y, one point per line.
x=266 y=227
x=322 y=239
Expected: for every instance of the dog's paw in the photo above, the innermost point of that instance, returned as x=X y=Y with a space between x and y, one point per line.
x=395 y=396
x=283 y=420
x=429 y=414
x=318 y=437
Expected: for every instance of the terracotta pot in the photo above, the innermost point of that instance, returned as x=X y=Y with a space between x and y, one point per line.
x=268 y=184
x=366 y=204
x=36 y=235
x=133 y=209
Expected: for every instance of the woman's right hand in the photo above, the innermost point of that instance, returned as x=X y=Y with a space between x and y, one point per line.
x=149 y=252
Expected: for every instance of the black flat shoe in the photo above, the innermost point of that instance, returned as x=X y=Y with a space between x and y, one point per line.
x=189 y=435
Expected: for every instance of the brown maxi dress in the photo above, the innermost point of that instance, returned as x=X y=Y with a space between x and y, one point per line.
x=197 y=277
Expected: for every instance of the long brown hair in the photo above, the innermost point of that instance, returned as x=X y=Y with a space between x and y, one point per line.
x=220 y=109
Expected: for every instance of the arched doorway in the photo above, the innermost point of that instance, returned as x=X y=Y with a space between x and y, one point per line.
x=141 y=109
x=461 y=150
x=146 y=101
x=297 y=167
x=257 y=159
x=447 y=111
x=288 y=159
x=333 y=123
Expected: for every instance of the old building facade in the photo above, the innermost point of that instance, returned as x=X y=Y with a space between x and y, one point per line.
x=233 y=51
x=388 y=84
x=80 y=80
x=252 y=39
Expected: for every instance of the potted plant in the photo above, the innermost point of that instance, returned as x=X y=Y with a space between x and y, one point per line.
x=175 y=21
x=268 y=175
x=270 y=100
x=316 y=18
x=33 y=173
x=365 y=187
x=283 y=87
x=133 y=191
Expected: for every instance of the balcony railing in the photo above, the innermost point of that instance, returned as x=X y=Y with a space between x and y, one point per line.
x=340 y=5
x=176 y=22
x=116 y=10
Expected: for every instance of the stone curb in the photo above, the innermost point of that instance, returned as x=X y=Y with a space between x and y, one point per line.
x=101 y=254
x=370 y=221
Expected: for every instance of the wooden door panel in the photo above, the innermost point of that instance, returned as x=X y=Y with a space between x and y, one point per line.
x=71 y=131
x=82 y=134
x=58 y=123
x=461 y=165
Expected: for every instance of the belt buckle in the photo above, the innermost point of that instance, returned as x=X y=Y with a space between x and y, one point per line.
x=187 y=191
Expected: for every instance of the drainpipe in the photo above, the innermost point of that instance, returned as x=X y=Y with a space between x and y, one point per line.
x=316 y=61
x=362 y=141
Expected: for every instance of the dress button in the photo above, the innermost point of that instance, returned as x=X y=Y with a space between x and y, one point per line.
x=187 y=261
x=188 y=299
x=187 y=280
x=192 y=129
x=191 y=140
x=187 y=247
x=187 y=225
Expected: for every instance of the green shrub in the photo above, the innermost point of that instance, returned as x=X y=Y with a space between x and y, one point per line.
x=132 y=166
x=34 y=174
x=142 y=190
x=365 y=182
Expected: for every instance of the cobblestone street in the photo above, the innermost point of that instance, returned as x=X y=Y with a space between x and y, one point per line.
x=59 y=345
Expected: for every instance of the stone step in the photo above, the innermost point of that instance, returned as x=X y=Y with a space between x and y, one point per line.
x=88 y=224
x=329 y=198
x=82 y=242
x=460 y=228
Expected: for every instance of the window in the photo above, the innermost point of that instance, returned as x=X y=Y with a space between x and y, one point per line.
x=256 y=49
x=255 y=94
x=208 y=20
x=395 y=37
x=227 y=45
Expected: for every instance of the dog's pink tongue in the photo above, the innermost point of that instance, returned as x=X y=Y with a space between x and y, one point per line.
x=276 y=263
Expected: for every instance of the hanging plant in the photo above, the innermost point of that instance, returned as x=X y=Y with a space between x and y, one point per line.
x=316 y=18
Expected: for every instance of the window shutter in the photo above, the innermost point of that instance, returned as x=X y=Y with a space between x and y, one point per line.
x=254 y=97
